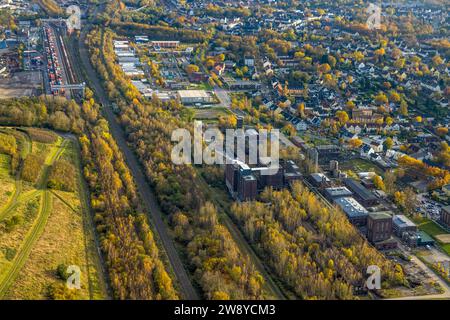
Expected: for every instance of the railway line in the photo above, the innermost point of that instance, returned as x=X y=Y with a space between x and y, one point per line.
x=81 y=56
x=54 y=70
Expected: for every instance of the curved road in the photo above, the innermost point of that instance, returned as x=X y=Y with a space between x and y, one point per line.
x=149 y=199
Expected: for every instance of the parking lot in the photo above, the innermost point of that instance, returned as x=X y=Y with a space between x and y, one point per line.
x=428 y=207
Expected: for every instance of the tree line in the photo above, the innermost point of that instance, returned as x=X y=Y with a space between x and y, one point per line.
x=8 y=146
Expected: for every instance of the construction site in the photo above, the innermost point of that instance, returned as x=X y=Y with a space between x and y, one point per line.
x=34 y=61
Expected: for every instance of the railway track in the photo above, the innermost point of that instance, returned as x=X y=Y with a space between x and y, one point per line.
x=149 y=199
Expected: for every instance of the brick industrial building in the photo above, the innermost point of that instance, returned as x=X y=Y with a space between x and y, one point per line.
x=379 y=230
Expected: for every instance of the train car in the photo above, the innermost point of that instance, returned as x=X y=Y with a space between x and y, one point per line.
x=53 y=62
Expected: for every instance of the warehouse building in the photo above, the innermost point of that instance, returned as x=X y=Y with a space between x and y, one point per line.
x=402 y=224
x=332 y=194
x=166 y=44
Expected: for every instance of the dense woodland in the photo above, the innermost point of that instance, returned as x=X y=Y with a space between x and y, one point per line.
x=8 y=145
x=113 y=16
x=51 y=7
x=32 y=166
x=131 y=254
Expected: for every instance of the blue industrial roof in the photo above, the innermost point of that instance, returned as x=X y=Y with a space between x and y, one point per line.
x=351 y=207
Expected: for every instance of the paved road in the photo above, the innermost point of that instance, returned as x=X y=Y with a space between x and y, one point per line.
x=149 y=199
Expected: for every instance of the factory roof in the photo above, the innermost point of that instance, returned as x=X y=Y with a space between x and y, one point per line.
x=337 y=192
x=402 y=222
x=361 y=191
x=381 y=215
x=319 y=177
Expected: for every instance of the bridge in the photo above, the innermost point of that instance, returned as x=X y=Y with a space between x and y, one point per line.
x=79 y=86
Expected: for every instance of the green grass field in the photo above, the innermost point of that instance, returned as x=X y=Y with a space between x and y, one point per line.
x=360 y=165
x=432 y=228
x=41 y=229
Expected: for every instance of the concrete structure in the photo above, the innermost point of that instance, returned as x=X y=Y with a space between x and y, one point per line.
x=319 y=180
x=334 y=165
x=247 y=188
x=244 y=183
x=334 y=168
x=240 y=181
x=328 y=152
x=313 y=156
x=275 y=181
x=292 y=172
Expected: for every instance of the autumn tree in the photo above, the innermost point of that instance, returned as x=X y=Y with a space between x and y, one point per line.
x=355 y=143
x=379 y=183
x=342 y=117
